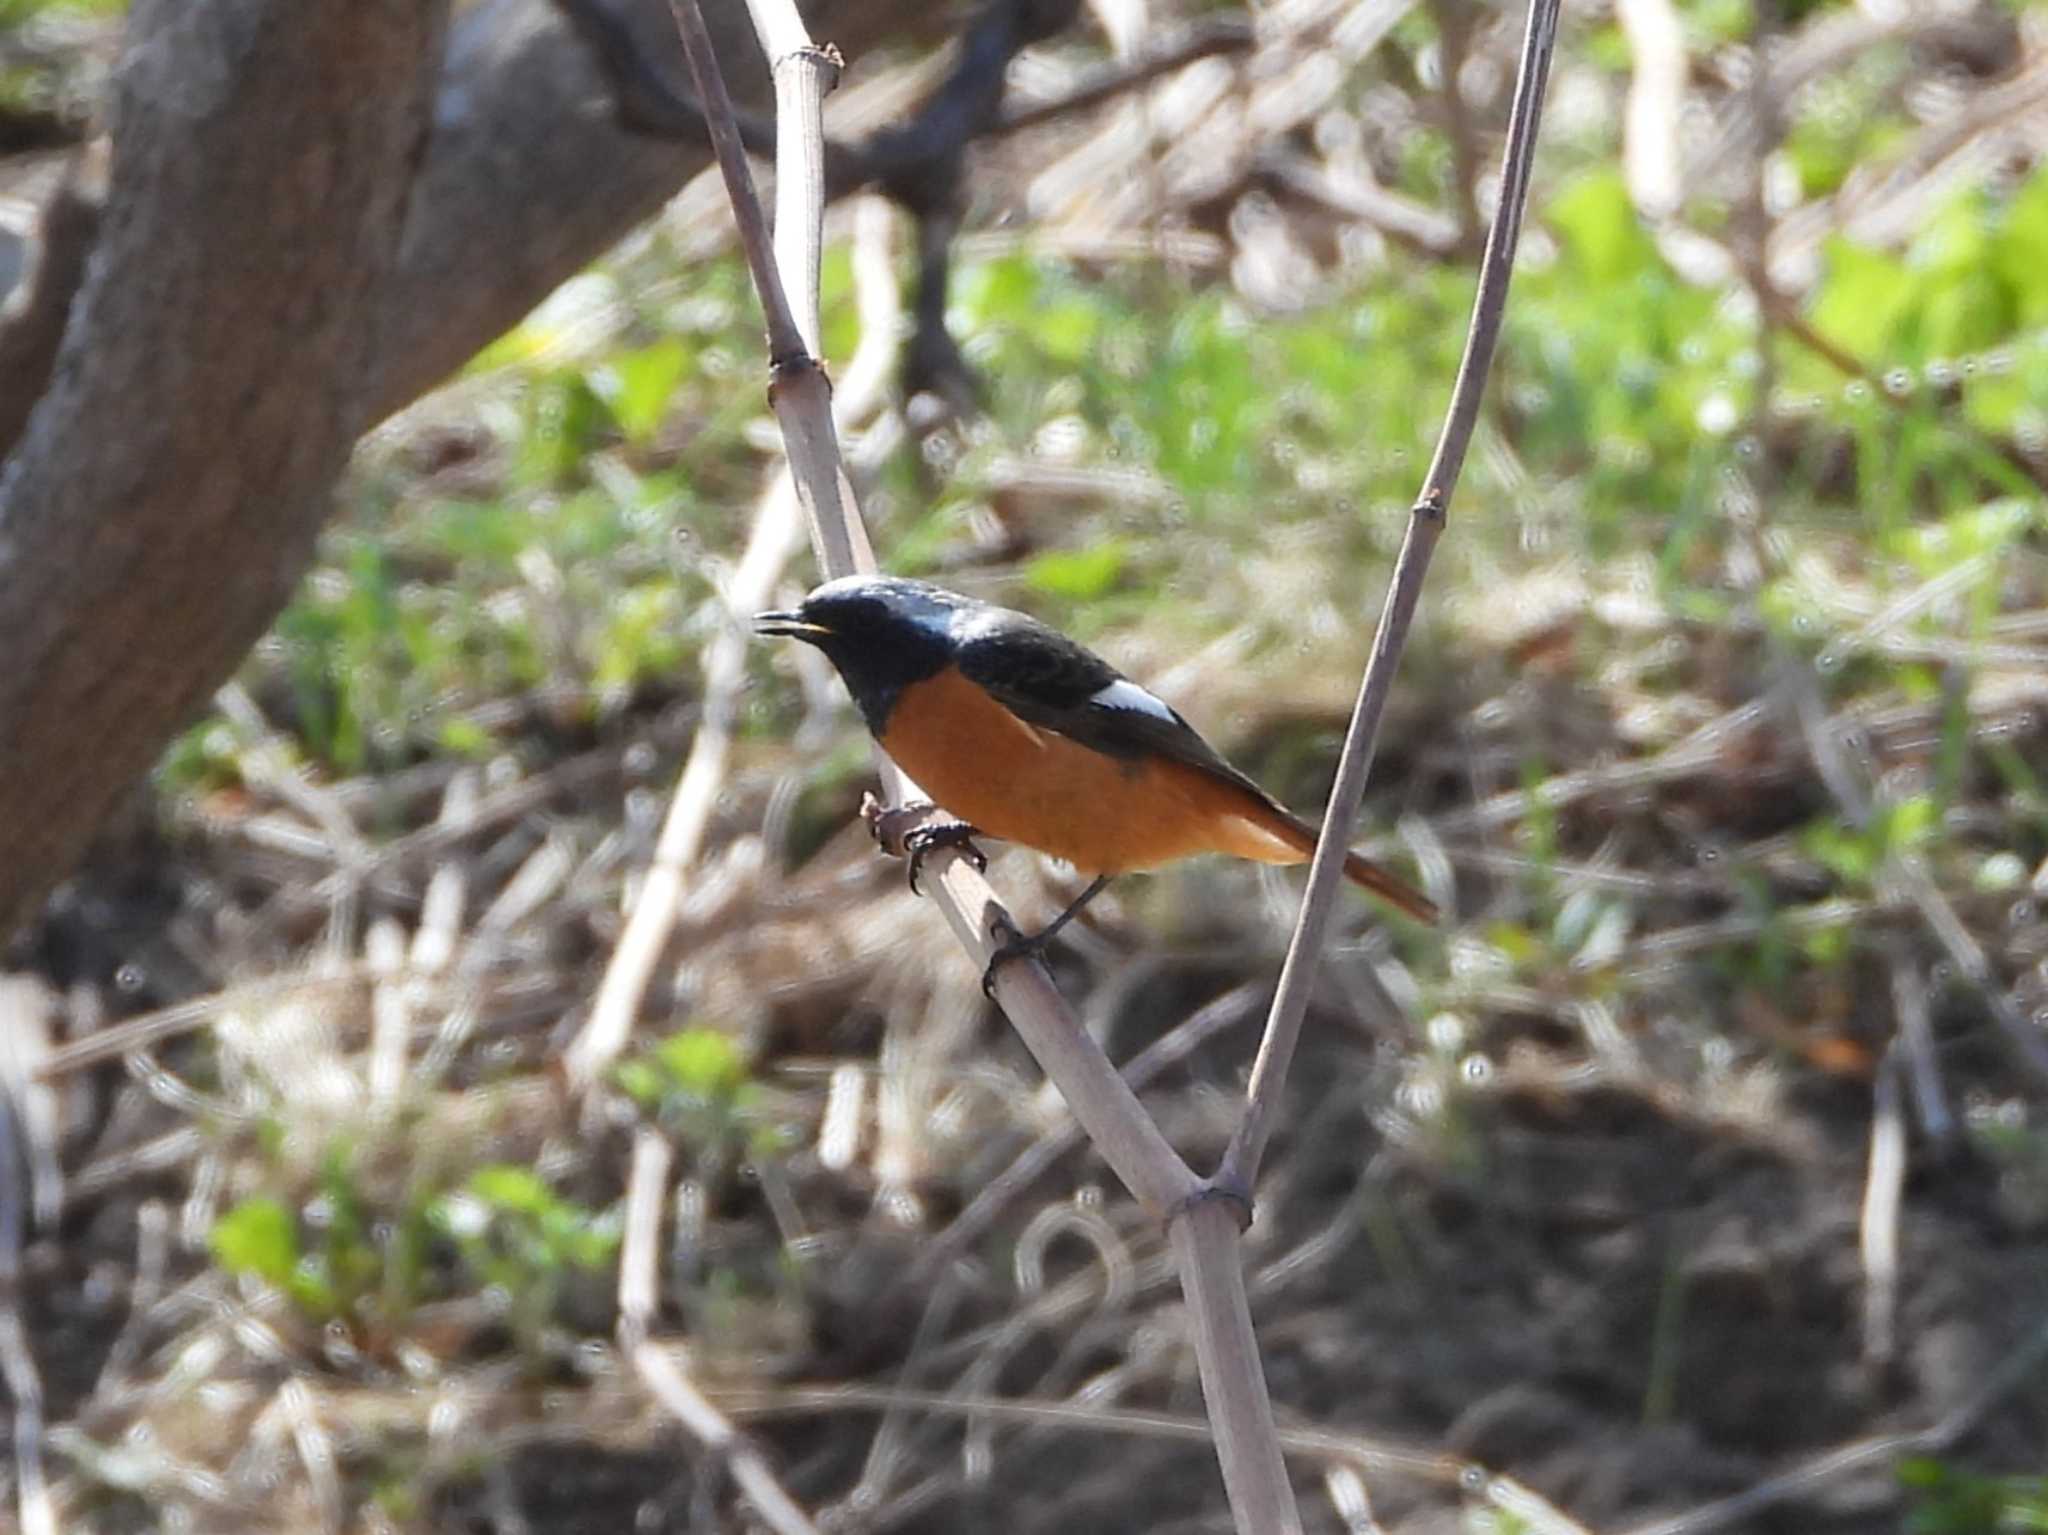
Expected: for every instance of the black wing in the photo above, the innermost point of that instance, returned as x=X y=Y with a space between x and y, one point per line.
x=1050 y=681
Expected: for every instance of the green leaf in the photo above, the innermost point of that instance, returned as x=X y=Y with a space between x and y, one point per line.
x=258 y=1236
x=1065 y=331
x=1080 y=575
x=999 y=292
x=466 y=738
x=1597 y=224
x=513 y=1189
x=1909 y=823
x=1847 y=853
x=703 y=1061
x=642 y=638
x=1862 y=300
x=639 y=1081
x=639 y=384
x=1517 y=943
x=2016 y=256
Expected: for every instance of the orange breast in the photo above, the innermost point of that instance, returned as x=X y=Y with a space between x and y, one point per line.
x=1104 y=815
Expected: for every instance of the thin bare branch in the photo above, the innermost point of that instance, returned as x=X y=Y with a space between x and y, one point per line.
x=1884 y=1183
x=1656 y=96
x=785 y=339
x=1332 y=1447
x=1205 y=1249
x=32 y=319
x=1240 y=1164
x=1202 y=1228
x=760 y=571
x=2018 y=1369
x=1099 y=1097
x=1031 y=1163
x=659 y=1369
x=1916 y=1044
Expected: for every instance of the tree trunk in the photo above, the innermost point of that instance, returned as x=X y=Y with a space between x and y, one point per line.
x=300 y=234
x=216 y=367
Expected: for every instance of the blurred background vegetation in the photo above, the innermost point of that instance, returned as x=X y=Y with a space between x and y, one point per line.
x=1706 y=1138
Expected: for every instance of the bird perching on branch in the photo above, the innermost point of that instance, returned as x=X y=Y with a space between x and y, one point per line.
x=1029 y=737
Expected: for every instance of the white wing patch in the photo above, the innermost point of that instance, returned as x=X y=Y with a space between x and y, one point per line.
x=1126 y=695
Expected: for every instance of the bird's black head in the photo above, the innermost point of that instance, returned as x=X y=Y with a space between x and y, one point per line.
x=882 y=633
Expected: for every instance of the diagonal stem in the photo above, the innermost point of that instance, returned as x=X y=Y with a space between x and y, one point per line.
x=1240 y=1165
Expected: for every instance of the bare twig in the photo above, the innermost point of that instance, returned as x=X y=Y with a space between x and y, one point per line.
x=1455 y=23
x=1240 y=1164
x=1201 y=40
x=1909 y=874
x=147 y=1029
x=1357 y=196
x=1787 y=319
x=24 y=1010
x=1032 y=1162
x=785 y=339
x=2017 y=1370
x=1884 y=1182
x=658 y=1368
x=1205 y=1250
x=753 y=584
x=1100 y=1099
x=1916 y=1045
x=1656 y=96
x=1328 y=1446
x=24 y=1383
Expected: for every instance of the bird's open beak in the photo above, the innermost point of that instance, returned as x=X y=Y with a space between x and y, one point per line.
x=792 y=625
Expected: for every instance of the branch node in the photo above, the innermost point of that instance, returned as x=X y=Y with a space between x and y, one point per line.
x=789 y=367
x=825 y=54
x=1219 y=1190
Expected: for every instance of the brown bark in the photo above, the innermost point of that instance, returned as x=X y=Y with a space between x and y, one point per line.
x=276 y=269
x=216 y=367
x=531 y=176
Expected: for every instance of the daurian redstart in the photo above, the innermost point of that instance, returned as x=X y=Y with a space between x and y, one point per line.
x=1029 y=737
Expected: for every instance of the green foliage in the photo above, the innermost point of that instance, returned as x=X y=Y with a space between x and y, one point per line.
x=332 y=1259
x=1856 y=855
x=696 y=1085
x=15 y=13
x=521 y=1240
x=1079 y=575
x=1950 y=1501
x=258 y=1236
x=638 y=385
x=367 y=1257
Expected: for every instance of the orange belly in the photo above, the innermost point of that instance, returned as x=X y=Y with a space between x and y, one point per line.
x=1104 y=815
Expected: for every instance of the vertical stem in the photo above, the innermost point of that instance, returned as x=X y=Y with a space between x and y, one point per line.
x=1425 y=526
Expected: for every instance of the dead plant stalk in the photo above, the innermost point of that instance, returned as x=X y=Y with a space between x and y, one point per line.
x=1204 y=1229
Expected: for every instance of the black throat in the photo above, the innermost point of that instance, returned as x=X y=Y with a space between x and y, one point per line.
x=879 y=664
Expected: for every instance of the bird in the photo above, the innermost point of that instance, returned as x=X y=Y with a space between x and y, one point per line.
x=1027 y=736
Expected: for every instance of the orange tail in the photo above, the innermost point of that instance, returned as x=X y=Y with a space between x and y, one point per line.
x=1362 y=872
x=1389 y=887
x=1234 y=815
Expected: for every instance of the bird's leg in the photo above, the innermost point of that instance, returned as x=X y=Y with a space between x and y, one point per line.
x=1019 y=946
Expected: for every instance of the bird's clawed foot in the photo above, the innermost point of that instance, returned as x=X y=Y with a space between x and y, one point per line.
x=1013 y=946
x=923 y=840
x=908 y=832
